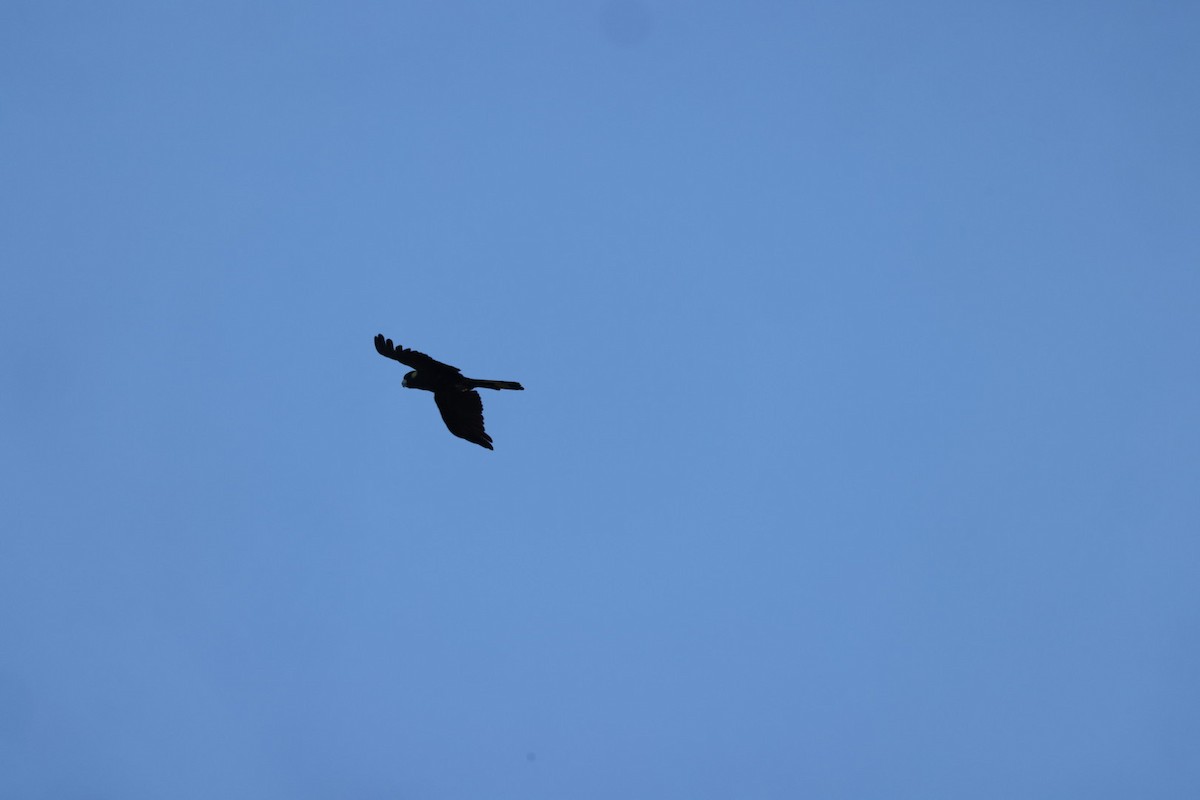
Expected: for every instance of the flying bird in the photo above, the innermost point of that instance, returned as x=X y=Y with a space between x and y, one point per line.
x=454 y=393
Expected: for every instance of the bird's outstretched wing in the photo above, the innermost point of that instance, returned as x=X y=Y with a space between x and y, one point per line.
x=409 y=358
x=463 y=414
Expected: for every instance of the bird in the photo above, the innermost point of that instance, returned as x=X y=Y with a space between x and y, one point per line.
x=454 y=393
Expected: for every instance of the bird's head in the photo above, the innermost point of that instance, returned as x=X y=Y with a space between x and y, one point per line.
x=406 y=382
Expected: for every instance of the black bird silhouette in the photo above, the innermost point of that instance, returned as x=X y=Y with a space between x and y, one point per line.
x=454 y=393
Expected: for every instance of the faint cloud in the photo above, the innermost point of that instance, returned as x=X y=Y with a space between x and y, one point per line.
x=626 y=23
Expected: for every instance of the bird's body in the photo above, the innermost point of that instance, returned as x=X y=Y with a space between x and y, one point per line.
x=454 y=393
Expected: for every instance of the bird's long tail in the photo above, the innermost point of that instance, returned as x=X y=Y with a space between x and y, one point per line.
x=479 y=383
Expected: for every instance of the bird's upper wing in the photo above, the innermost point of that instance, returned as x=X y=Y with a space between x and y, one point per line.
x=410 y=358
x=463 y=414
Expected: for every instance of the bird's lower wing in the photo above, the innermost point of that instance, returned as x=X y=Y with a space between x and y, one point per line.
x=463 y=414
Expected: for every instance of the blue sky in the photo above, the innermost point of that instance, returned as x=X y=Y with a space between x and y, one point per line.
x=859 y=453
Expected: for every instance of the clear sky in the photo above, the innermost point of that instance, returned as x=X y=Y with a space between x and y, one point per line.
x=859 y=454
